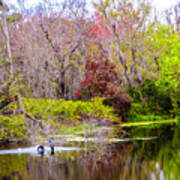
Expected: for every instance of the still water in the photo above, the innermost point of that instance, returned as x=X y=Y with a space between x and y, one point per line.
x=156 y=159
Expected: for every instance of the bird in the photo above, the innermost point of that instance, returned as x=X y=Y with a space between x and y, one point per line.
x=51 y=146
x=40 y=149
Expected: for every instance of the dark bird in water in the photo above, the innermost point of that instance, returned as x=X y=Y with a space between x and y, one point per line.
x=51 y=146
x=40 y=149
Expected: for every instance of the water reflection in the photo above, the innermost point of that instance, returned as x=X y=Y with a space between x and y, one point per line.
x=156 y=159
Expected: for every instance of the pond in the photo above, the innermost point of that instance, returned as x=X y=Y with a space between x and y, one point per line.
x=146 y=159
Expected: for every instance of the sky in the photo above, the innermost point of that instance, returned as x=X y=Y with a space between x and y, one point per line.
x=160 y=4
x=164 y=4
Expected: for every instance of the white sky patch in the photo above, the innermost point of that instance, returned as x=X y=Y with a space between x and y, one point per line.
x=159 y=4
x=164 y=4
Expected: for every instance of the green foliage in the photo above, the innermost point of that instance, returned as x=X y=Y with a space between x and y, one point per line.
x=167 y=42
x=169 y=57
x=70 y=111
x=138 y=108
x=12 y=127
x=152 y=97
x=157 y=96
x=72 y=129
x=148 y=89
x=132 y=91
x=143 y=112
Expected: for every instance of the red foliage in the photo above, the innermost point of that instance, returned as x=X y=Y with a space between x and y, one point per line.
x=99 y=29
x=79 y=94
x=102 y=79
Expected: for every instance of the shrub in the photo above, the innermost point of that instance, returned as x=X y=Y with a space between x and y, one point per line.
x=102 y=79
x=157 y=96
x=133 y=92
x=68 y=111
x=141 y=112
x=121 y=103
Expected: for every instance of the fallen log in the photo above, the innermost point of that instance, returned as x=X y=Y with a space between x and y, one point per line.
x=36 y=121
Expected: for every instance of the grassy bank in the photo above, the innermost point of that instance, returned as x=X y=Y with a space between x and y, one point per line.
x=68 y=116
x=54 y=112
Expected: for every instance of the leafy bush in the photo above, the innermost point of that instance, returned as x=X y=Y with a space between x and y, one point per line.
x=134 y=94
x=102 y=79
x=70 y=111
x=153 y=98
x=121 y=103
x=138 y=108
x=157 y=96
x=142 y=112
x=168 y=42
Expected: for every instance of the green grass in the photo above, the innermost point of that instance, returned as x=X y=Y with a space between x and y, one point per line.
x=74 y=129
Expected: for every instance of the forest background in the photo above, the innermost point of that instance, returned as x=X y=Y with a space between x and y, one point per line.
x=59 y=63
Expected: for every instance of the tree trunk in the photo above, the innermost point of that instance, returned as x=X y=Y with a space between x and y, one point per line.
x=6 y=34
